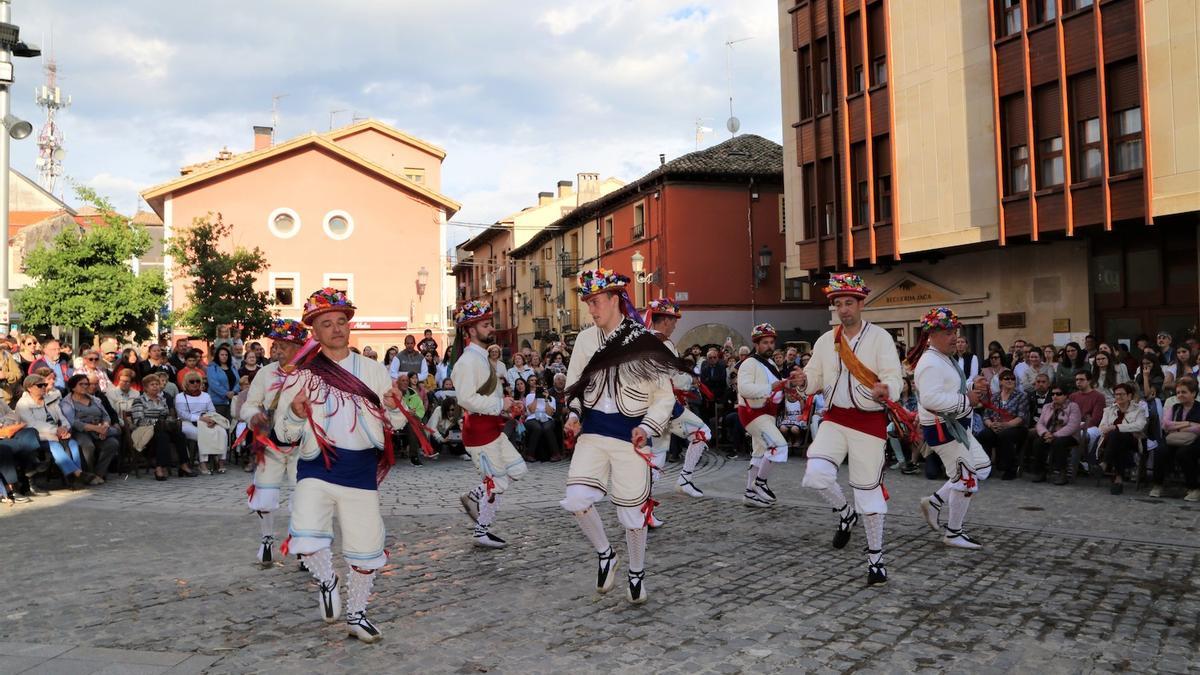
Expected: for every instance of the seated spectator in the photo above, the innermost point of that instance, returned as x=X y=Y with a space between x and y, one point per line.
x=129 y=361
x=1184 y=366
x=805 y=358
x=54 y=433
x=11 y=372
x=494 y=354
x=30 y=351
x=1039 y=397
x=53 y=395
x=193 y=407
x=445 y=428
x=122 y=394
x=51 y=351
x=92 y=428
x=445 y=392
x=558 y=363
x=1028 y=371
x=1051 y=356
x=412 y=400
x=18 y=457
x=791 y=418
x=1091 y=410
x=93 y=366
x=903 y=447
x=967 y=362
x=1107 y=375
x=157 y=362
x=1004 y=424
x=991 y=371
x=1121 y=429
x=1056 y=434
x=155 y=425
x=432 y=372
x=191 y=366
x=249 y=367
x=519 y=370
x=1181 y=447
x=541 y=440
x=1166 y=349
x=235 y=410
x=1074 y=360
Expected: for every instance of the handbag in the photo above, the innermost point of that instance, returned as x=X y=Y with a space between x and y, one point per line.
x=1181 y=438
x=141 y=437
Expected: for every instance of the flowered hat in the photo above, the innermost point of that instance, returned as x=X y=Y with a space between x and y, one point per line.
x=940 y=318
x=600 y=280
x=475 y=310
x=848 y=285
x=288 y=330
x=661 y=307
x=762 y=330
x=327 y=300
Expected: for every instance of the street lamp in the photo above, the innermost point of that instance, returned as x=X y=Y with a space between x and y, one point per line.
x=422 y=281
x=764 y=264
x=639 y=264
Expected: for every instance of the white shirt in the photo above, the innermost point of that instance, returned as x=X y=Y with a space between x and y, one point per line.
x=190 y=408
x=540 y=409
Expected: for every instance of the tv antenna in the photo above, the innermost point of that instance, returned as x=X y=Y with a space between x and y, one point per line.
x=733 y=123
x=275 y=113
x=332 y=114
x=701 y=130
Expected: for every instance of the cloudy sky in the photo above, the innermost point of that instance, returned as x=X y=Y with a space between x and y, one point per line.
x=520 y=94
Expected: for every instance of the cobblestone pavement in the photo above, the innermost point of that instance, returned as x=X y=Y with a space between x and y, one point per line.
x=1072 y=579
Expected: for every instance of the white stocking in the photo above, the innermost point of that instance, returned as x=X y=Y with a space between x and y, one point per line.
x=593 y=528
x=636 y=541
x=266 y=523
x=320 y=564
x=694 y=451
x=487 y=509
x=834 y=496
x=959 y=503
x=765 y=468
x=752 y=473
x=873 y=524
x=358 y=586
x=943 y=492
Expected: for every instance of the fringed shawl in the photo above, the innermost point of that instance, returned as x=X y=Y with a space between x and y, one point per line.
x=630 y=354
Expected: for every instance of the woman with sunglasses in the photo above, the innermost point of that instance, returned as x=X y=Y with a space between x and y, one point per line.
x=28 y=353
x=1004 y=422
x=1056 y=431
x=53 y=432
x=98 y=434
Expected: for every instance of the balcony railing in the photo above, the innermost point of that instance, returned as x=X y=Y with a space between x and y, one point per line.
x=568 y=265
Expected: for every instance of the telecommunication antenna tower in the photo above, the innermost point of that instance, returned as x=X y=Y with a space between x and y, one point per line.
x=50 y=139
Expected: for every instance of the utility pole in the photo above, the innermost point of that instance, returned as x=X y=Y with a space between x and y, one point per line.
x=10 y=46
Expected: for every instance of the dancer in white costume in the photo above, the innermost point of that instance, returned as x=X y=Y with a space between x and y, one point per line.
x=276 y=465
x=661 y=316
x=341 y=411
x=857 y=368
x=619 y=393
x=946 y=402
x=485 y=407
x=760 y=390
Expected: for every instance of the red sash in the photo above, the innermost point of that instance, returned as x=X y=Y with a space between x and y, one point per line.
x=746 y=414
x=873 y=422
x=479 y=430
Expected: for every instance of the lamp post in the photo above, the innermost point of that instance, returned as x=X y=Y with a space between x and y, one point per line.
x=764 y=265
x=422 y=282
x=10 y=46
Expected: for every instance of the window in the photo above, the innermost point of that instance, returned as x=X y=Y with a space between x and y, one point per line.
x=806 y=88
x=782 y=215
x=1050 y=166
x=283 y=223
x=548 y=253
x=796 y=289
x=879 y=71
x=1080 y=4
x=858 y=172
x=1012 y=17
x=283 y=289
x=1091 y=161
x=854 y=55
x=414 y=174
x=1127 y=140
x=639 y=221
x=608 y=233
x=862 y=214
x=342 y=281
x=809 y=212
x=1045 y=10
x=828 y=218
x=883 y=199
x=857 y=81
x=1018 y=169
x=826 y=94
x=338 y=225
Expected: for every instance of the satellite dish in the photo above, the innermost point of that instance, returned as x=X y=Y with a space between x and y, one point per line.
x=733 y=125
x=60 y=154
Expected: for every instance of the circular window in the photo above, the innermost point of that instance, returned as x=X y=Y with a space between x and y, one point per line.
x=283 y=223
x=338 y=225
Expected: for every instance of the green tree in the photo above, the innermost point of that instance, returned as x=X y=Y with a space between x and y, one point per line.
x=222 y=280
x=84 y=279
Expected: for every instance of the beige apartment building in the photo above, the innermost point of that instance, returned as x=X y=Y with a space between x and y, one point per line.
x=1033 y=164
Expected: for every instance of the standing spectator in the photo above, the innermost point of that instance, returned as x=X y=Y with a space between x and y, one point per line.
x=1004 y=422
x=191 y=366
x=155 y=421
x=51 y=350
x=238 y=352
x=91 y=427
x=29 y=352
x=1107 y=375
x=1124 y=357
x=995 y=347
x=991 y=372
x=1050 y=356
x=411 y=399
x=250 y=366
x=433 y=372
x=370 y=353
x=1090 y=347
x=427 y=344
x=1182 y=443
x=179 y=353
x=1073 y=360
x=194 y=407
x=1016 y=355
x=1122 y=427
x=53 y=431
x=10 y=372
x=494 y=354
x=91 y=367
x=558 y=363
x=1091 y=410
x=519 y=371
x=967 y=362
x=109 y=356
x=407 y=361
x=130 y=361
x=223 y=381
x=156 y=362
x=1166 y=352
x=389 y=356
x=539 y=369
x=1028 y=371
x=1056 y=429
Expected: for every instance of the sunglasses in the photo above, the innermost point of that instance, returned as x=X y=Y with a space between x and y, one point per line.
x=1058 y=393
x=92 y=358
x=38 y=386
x=1007 y=379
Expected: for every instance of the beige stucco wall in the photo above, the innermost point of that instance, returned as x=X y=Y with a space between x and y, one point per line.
x=532 y=220
x=1172 y=34
x=1045 y=281
x=793 y=185
x=394 y=155
x=945 y=173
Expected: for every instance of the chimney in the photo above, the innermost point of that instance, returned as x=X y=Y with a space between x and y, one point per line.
x=662 y=159
x=589 y=187
x=262 y=137
x=564 y=189
x=545 y=198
